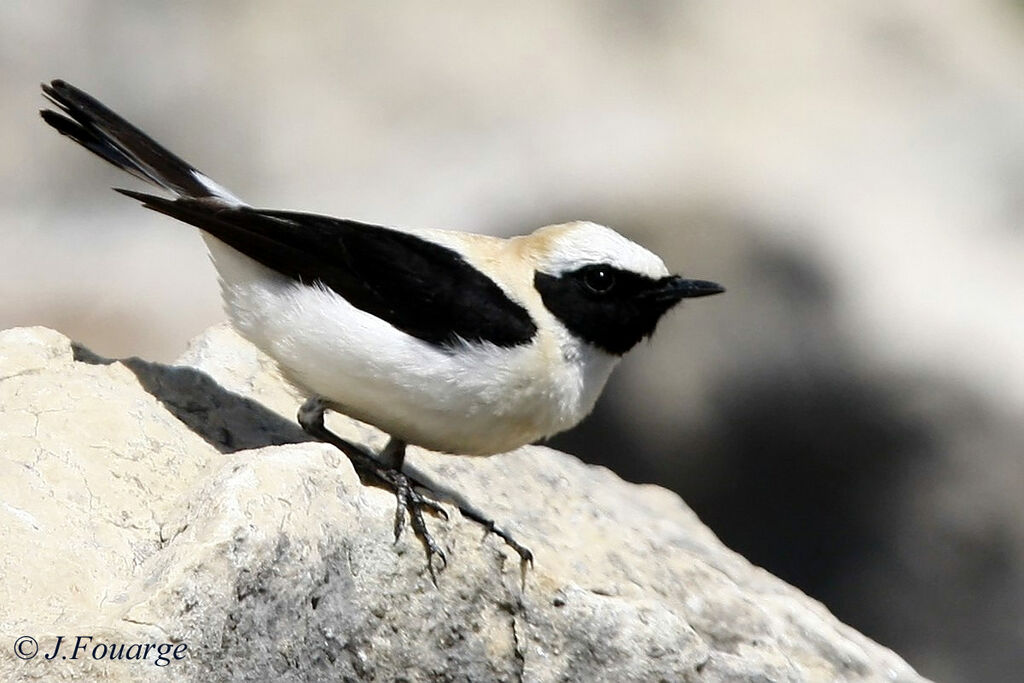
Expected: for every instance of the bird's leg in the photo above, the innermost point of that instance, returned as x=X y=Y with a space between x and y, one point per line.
x=387 y=474
x=393 y=457
x=386 y=471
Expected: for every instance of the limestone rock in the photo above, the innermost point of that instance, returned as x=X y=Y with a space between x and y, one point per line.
x=145 y=503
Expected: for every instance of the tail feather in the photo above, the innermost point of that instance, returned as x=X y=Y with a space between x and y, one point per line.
x=91 y=124
x=92 y=142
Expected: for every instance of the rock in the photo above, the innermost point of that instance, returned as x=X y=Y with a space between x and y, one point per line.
x=180 y=505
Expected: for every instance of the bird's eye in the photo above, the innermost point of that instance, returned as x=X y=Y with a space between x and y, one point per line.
x=599 y=280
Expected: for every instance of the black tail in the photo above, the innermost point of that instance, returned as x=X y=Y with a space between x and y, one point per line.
x=92 y=125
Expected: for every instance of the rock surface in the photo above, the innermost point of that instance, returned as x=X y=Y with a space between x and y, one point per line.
x=146 y=503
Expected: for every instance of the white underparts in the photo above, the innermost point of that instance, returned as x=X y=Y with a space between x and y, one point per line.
x=475 y=399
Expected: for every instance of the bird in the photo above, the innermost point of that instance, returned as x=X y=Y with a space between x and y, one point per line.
x=456 y=342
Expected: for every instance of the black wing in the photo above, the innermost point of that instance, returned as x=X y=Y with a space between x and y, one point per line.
x=423 y=289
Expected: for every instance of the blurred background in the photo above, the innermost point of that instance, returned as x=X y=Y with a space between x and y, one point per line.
x=848 y=415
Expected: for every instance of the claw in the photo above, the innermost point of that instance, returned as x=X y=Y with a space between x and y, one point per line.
x=432 y=551
x=432 y=506
x=525 y=556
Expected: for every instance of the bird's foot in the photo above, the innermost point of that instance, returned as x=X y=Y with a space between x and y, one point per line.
x=474 y=515
x=410 y=499
x=408 y=490
x=387 y=475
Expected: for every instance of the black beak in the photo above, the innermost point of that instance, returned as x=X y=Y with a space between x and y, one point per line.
x=674 y=288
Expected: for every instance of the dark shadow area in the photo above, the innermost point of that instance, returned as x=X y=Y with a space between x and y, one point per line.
x=817 y=462
x=225 y=420
x=798 y=473
x=860 y=485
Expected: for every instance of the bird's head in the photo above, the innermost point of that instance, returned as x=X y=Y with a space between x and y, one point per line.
x=605 y=289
